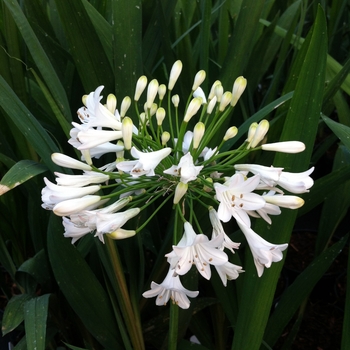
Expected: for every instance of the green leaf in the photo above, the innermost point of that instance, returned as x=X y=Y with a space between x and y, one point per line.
x=35 y=317
x=89 y=56
x=43 y=63
x=345 y=342
x=299 y=290
x=20 y=173
x=13 y=315
x=28 y=125
x=342 y=131
x=308 y=79
x=81 y=287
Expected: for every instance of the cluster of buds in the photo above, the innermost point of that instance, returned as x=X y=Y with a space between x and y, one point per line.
x=162 y=156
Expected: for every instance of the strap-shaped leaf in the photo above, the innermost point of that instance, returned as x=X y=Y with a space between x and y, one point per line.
x=13 y=315
x=35 y=317
x=342 y=131
x=301 y=124
x=81 y=287
x=299 y=290
x=20 y=173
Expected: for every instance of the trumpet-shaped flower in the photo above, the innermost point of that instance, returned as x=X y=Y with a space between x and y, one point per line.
x=296 y=182
x=219 y=230
x=73 y=206
x=69 y=162
x=236 y=199
x=228 y=271
x=146 y=163
x=185 y=169
x=170 y=288
x=198 y=250
x=89 y=177
x=264 y=252
x=53 y=194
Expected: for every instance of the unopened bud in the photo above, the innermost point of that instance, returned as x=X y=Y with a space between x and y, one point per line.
x=180 y=191
x=219 y=91
x=127 y=126
x=238 y=89
x=111 y=103
x=208 y=188
x=212 y=90
x=175 y=100
x=225 y=100
x=259 y=134
x=230 y=133
x=192 y=109
x=198 y=79
x=140 y=87
x=165 y=138
x=174 y=74
x=120 y=154
x=284 y=147
x=83 y=99
x=151 y=92
x=120 y=233
x=161 y=91
x=251 y=131
x=211 y=105
x=69 y=162
x=198 y=133
x=160 y=115
x=125 y=106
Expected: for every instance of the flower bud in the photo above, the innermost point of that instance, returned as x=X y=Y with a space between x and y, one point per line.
x=238 y=89
x=212 y=90
x=140 y=87
x=260 y=133
x=68 y=162
x=111 y=103
x=165 y=138
x=175 y=100
x=127 y=126
x=120 y=233
x=160 y=115
x=284 y=147
x=72 y=206
x=151 y=92
x=198 y=133
x=174 y=74
x=198 y=79
x=230 y=133
x=290 y=202
x=120 y=154
x=208 y=188
x=125 y=106
x=180 y=191
x=192 y=109
x=219 y=91
x=211 y=105
x=225 y=100
x=161 y=91
x=251 y=131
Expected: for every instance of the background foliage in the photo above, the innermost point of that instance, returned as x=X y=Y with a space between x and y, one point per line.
x=52 y=52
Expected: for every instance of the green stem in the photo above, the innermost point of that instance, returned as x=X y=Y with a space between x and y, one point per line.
x=132 y=321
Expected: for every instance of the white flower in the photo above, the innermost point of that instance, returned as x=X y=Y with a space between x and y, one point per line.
x=236 y=199
x=72 y=206
x=284 y=147
x=228 y=271
x=198 y=250
x=89 y=177
x=69 y=162
x=170 y=288
x=290 y=202
x=219 y=230
x=185 y=169
x=174 y=74
x=296 y=182
x=238 y=89
x=259 y=133
x=268 y=175
x=91 y=137
x=180 y=191
x=146 y=163
x=264 y=253
x=200 y=93
x=53 y=194
x=73 y=231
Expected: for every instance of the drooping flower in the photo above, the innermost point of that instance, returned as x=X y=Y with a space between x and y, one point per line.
x=170 y=288
x=296 y=182
x=198 y=250
x=89 y=177
x=228 y=271
x=236 y=198
x=264 y=252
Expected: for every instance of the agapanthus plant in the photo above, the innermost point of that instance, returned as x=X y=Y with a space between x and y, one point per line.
x=164 y=156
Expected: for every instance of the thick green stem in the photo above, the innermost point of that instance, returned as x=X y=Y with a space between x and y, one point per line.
x=132 y=321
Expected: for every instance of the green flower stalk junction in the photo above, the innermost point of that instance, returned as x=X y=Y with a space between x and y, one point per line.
x=164 y=157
